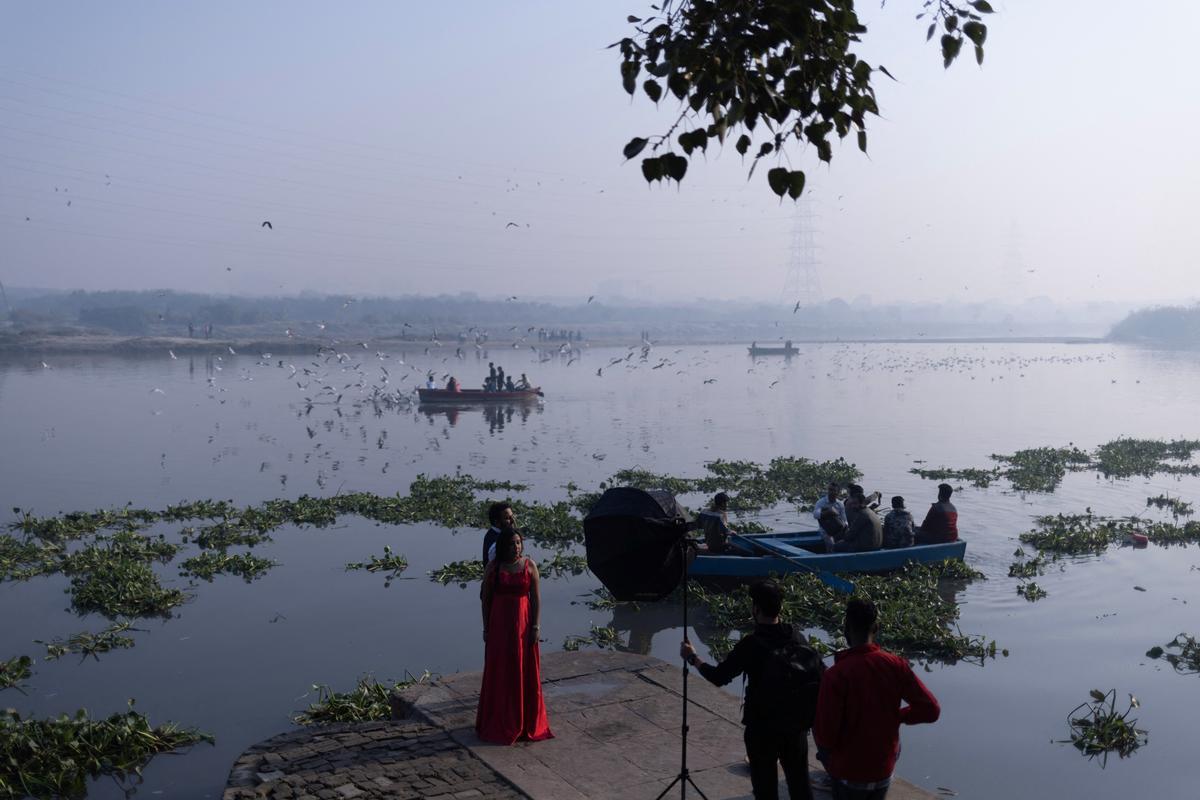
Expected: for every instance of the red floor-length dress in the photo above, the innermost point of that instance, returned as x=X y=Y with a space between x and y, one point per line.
x=510 y=700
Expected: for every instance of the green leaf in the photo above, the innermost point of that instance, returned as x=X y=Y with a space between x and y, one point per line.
x=1097 y=695
x=631 y=19
x=629 y=72
x=862 y=141
x=1154 y=652
x=884 y=70
x=976 y=32
x=795 y=184
x=675 y=166
x=652 y=169
x=951 y=24
x=635 y=146
x=950 y=47
x=982 y=6
x=743 y=144
x=778 y=180
x=652 y=90
x=929 y=33
x=979 y=55
x=765 y=149
x=678 y=85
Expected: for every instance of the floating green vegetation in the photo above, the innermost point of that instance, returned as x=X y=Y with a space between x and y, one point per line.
x=562 y=564
x=1077 y=534
x=389 y=562
x=1028 y=567
x=123 y=588
x=1177 y=507
x=915 y=619
x=1101 y=730
x=13 y=671
x=369 y=700
x=600 y=599
x=1031 y=591
x=56 y=757
x=1125 y=458
x=1187 y=660
x=1040 y=469
x=21 y=560
x=460 y=572
x=605 y=637
x=211 y=563
x=91 y=644
x=979 y=478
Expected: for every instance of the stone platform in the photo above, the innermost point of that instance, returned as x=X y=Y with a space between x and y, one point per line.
x=616 y=720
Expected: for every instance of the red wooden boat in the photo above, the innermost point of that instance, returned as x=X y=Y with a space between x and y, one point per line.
x=478 y=396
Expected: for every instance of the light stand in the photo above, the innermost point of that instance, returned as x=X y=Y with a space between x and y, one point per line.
x=683 y=778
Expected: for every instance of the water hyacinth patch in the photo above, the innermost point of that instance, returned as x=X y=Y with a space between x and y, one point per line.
x=460 y=572
x=123 y=588
x=979 y=478
x=15 y=670
x=1101 y=730
x=389 y=561
x=1031 y=591
x=605 y=637
x=369 y=700
x=915 y=619
x=1177 y=507
x=1187 y=660
x=211 y=563
x=57 y=757
x=91 y=644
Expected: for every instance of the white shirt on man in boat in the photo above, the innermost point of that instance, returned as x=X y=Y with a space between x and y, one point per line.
x=825 y=503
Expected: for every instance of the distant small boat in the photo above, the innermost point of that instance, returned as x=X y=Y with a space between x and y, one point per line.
x=783 y=553
x=786 y=350
x=478 y=396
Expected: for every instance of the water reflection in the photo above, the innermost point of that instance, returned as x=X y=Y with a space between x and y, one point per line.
x=497 y=415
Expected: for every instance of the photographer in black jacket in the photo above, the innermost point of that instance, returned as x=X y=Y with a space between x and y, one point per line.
x=783 y=678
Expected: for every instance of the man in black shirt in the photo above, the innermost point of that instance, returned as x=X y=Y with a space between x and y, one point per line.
x=783 y=678
x=501 y=516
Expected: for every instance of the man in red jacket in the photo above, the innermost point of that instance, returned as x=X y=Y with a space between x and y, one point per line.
x=859 y=711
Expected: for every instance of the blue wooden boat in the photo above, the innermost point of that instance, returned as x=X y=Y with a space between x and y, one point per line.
x=802 y=552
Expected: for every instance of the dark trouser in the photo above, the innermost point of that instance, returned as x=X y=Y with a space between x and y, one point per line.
x=843 y=792
x=766 y=749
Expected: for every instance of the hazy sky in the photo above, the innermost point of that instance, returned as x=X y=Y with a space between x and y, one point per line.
x=391 y=143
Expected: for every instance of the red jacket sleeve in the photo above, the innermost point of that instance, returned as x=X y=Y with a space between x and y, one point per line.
x=922 y=705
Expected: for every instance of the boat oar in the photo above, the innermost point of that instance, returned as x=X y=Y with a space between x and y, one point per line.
x=827 y=578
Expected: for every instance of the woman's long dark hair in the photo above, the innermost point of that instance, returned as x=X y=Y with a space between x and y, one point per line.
x=506 y=545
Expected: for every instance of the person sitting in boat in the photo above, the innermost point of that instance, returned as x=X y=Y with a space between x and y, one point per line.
x=941 y=523
x=524 y=383
x=866 y=529
x=833 y=528
x=452 y=384
x=897 y=526
x=509 y=386
x=715 y=524
x=830 y=500
x=430 y=383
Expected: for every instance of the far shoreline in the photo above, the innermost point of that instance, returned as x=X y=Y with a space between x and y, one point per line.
x=40 y=343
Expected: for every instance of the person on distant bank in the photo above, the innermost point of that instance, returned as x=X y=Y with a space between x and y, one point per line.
x=860 y=711
x=715 y=524
x=897 y=526
x=941 y=523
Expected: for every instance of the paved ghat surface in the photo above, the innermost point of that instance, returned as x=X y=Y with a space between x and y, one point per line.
x=616 y=720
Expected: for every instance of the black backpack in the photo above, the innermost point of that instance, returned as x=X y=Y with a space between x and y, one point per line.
x=784 y=694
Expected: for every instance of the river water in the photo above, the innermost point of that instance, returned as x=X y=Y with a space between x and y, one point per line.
x=90 y=432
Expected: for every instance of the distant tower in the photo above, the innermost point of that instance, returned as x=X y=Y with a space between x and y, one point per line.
x=803 y=282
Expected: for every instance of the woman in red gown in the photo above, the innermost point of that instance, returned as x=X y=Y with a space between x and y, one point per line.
x=510 y=700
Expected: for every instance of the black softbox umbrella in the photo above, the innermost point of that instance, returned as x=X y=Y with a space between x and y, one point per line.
x=632 y=538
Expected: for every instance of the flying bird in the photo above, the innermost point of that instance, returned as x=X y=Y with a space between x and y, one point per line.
x=512 y=225
x=591 y=297
x=797 y=308
x=267 y=224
